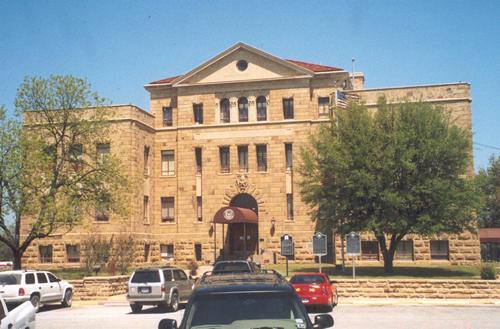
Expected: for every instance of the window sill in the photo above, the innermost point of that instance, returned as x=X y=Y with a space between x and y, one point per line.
x=168 y=176
x=167 y=223
x=101 y=221
x=261 y=172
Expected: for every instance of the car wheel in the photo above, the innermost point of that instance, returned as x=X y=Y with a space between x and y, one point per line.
x=174 y=302
x=68 y=298
x=35 y=301
x=136 y=308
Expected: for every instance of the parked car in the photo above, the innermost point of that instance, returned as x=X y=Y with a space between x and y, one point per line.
x=235 y=266
x=21 y=317
x=315 y=289
x=164 y=287
x=249 y=300
x=38 y=287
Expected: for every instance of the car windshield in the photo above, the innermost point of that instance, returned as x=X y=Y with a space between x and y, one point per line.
x=305 y=279
x=246 y=310
x=146 y=276
x=10 y=279
x=231 y=267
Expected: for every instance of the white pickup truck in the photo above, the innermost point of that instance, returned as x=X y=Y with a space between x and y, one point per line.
x=21 y=317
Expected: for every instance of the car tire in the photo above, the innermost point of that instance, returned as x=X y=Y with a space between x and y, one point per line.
x=35 y=301
x=136 y=308
x=68 y=298
x=174 y=302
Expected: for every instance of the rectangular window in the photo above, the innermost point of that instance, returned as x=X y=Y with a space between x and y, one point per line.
x=102 y=150
x=369 y=250
x=261 y=157
x=198 y=157
x=439 y=249
x=288 y=156
x=198 y=113
x=323 y=106
x=167 y=209
x=45 y=254
x=102 y=210
x=73 y=253
x=197 y=252
x=199 y=209
x=289 y=206
x=76 y=151
x=167 y=252
x=167 y=163
x=243 y=157
x=167 y=117
x=224 y=159
x=404 y=250
x=147 y=247
x=146 y=160
x=145 y=209
x=288 y=108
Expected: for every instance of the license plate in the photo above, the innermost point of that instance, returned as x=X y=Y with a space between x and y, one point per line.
x=145 y=290
x=305 y=300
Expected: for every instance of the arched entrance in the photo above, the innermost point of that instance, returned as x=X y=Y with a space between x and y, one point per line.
x=242 y=239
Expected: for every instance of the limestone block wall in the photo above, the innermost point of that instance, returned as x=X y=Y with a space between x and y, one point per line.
x=99 y=288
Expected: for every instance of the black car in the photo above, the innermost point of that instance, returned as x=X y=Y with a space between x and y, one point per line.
x=246 y=300
x=235 y=266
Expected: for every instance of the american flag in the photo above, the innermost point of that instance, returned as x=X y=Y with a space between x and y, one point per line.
x=340 y=99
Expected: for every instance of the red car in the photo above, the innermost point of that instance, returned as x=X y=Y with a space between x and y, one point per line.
x=315 y=289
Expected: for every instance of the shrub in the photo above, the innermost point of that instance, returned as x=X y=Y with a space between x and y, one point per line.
x=488 y=272
x=192 y=267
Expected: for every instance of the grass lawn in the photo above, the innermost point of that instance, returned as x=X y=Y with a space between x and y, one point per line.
x=376 y=271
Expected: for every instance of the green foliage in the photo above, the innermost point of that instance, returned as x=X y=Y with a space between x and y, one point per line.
x=397 y=171
x=122 y=252
x=51 y=173
x=488 y=184
x=488 y=272
x=192 y=267
x=96 y=252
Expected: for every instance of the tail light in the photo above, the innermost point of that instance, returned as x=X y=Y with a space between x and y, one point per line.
x=21 y=292
x=162 y=288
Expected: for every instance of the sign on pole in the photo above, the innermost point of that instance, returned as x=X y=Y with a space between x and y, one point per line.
x=287 y=248
x=353 y=241
x=319 y=246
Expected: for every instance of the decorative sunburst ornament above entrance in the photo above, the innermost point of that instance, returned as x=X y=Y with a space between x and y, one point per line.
x=242 y=185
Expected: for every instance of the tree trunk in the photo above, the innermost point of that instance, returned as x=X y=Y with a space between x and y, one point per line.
x=17 y=256
x=388 y=261
x=388 y=253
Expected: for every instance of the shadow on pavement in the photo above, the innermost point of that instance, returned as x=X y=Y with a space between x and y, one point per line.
x=156 y=310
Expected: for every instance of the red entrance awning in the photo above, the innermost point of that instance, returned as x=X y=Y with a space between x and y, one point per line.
x=230 y=215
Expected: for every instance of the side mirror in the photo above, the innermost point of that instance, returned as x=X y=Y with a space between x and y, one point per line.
x=323 y=321
x=167 y=324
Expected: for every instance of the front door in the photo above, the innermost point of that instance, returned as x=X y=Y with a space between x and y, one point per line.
x=242 y=240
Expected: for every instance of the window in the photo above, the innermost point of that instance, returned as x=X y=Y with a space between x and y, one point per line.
x=102 y=150
x=199 y=209
x=102 y=211
x=167 y=274
x=167 y=252
x=145 y=209
x=225 y=116
x=288 y=108
x=439 y=249
x=73 y=253
x=288 y=156
x=45 y=254
x=198 y=113
x=198 y=157
x=167 y=209
x=179 y=275
x=167 y=117
x=224 y=159
x=147 y=247
x=52 y=277
x=323 y=106
x=261 y=108
x=167 y=163
x=243 y=109
x=197 y=252
x=29 y=278
x=289 y=206
x=41 y=277
x=243 y=157
x=261 y=157
x=146 y=160
x=369 y=250
x=76 y=151
x=404 y=250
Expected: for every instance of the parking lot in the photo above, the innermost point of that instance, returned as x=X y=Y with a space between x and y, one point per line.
x=346 y=316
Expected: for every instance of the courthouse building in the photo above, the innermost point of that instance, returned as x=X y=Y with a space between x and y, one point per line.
x=217 y=154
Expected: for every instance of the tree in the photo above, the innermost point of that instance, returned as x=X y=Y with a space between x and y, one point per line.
x=488 y=183
x=394 y=172
x=51 y=172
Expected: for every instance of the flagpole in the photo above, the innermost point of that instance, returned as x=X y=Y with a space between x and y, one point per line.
x=352 y=74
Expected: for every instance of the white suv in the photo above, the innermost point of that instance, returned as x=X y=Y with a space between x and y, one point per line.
x=39 y=287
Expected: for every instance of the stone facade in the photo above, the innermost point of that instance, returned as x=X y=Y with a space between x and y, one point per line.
x=185 y=232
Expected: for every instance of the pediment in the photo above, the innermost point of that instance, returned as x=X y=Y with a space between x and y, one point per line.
x=259 y=66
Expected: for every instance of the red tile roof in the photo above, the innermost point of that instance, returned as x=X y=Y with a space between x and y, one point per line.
x=314 y=67
x=309 y=66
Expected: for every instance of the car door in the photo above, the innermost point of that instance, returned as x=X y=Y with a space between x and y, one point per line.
x=184 y=285
x=56 y=292
x=43 y=286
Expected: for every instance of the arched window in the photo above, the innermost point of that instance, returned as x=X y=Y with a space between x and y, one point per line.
x=261 y=108
x=224 y=110
x=243 y=109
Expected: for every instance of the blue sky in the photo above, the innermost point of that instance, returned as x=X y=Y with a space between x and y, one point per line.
x=118 y=46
